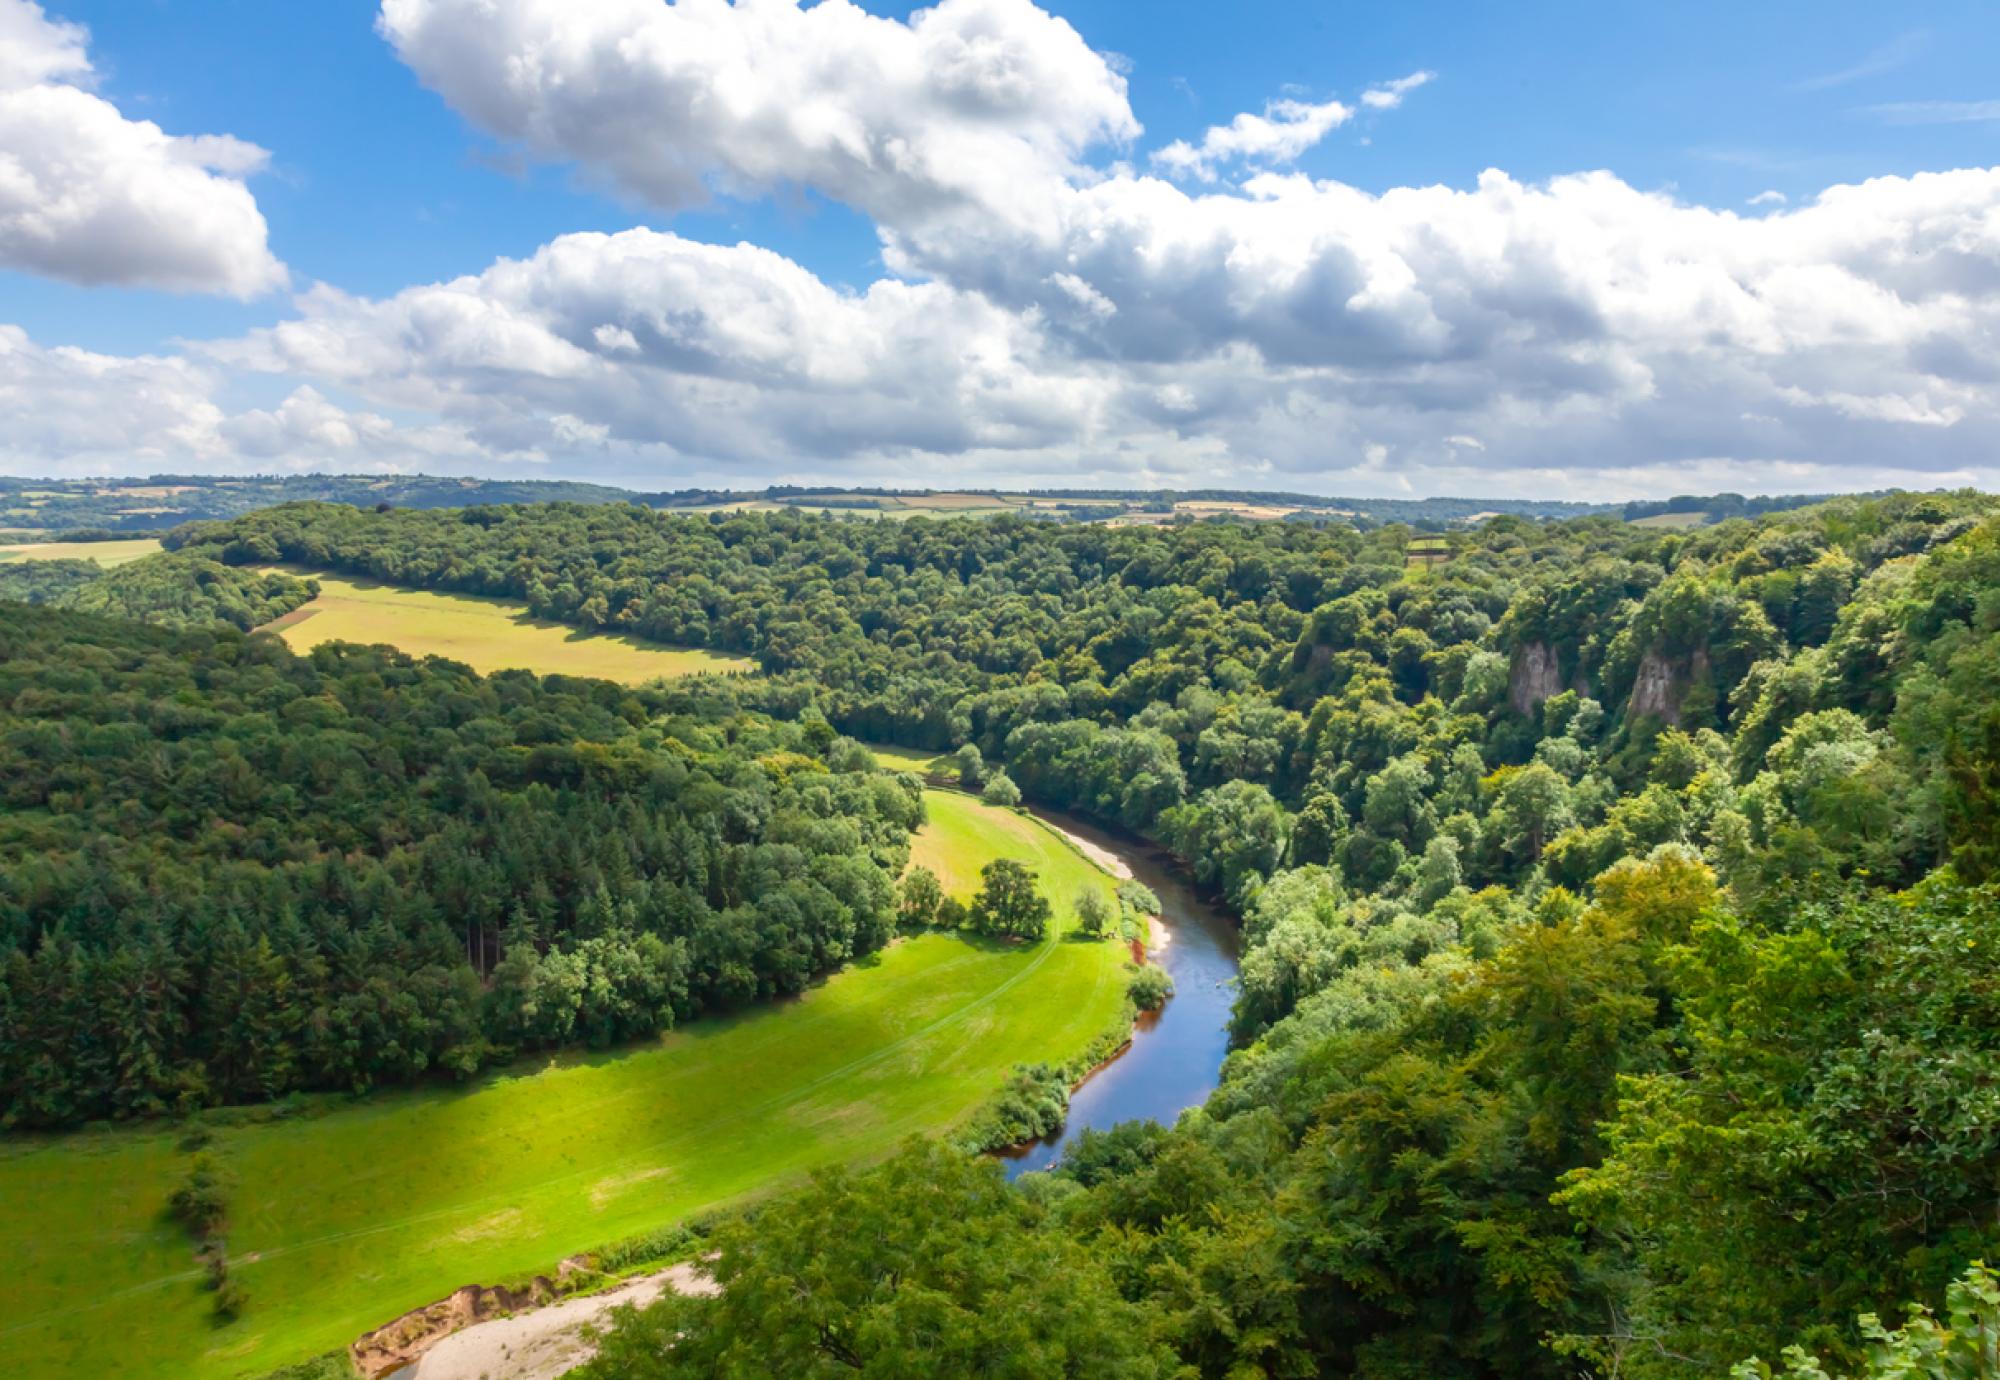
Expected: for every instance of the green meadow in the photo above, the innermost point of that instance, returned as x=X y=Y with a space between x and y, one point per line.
x=486 y=634
x=907 y=759
x=343 y=1219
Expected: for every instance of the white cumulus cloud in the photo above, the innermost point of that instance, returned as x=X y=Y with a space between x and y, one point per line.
x=969 y=103
x=89 y=196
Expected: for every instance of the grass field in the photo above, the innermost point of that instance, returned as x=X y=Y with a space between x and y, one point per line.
x=1672 y=520
x=485 y=634
x=904 y=759
x=105 y=553
x=343 y=1221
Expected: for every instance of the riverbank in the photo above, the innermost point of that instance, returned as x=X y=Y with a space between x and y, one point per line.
x=544 y=1342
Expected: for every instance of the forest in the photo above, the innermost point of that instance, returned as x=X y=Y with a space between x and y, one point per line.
x=1619 y=985
x=228 y=873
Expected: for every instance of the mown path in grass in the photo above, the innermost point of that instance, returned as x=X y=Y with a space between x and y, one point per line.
x=486 y=634
x=342 y=1221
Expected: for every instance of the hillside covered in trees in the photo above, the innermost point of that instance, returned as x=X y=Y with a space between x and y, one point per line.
x=228 y=872
x=1617 y=903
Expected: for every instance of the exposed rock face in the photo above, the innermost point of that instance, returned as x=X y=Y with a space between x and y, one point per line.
x=1660 y=684
x=1536 y=676
x=1655 y=690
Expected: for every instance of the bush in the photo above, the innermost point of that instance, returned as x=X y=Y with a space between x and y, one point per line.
x=1138 y=898
x=201 y=1203
x=334 y=1365
x=667 y=1243
x=230 y=1301
x=1150 y=987
x=1001 y=790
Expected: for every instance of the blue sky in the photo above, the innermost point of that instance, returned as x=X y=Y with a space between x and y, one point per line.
x=376 y=184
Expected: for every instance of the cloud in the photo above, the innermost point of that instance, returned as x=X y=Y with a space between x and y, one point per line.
x=65 y=411
x=969 y=104
x=91 y=197
x=1769 y=198
x=1390 y=94
x=1937 y=112
x=1481 y=340
x=1052 y=314
x=1897 y=52
x=680 y=349
x=1285 y=130
x=97 y=199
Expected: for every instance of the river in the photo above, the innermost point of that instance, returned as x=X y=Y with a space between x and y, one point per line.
x=1175 y=1058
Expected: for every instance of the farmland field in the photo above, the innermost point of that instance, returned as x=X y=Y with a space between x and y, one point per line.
x=105 y=553
x=344 y=1220
x=1672 y=520
x=486 y=634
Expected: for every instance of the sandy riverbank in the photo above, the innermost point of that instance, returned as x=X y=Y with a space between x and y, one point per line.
x=544 y=1342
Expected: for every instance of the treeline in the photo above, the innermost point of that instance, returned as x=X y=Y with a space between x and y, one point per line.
x=176 y=589
x=228 y=872
x=102 y=509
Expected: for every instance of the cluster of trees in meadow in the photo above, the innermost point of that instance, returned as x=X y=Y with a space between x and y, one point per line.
x=228 y=872
x=1618 y=990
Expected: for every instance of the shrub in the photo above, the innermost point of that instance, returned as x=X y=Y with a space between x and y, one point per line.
x=1150 y=987
x=1000 y=790
x=201 y=1203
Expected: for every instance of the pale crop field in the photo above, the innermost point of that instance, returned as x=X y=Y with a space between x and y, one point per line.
x=105 y=553
x=486 y=634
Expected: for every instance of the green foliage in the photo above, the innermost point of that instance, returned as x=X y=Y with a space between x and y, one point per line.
x=173 y=589
x=1093 y=913
x=201 y=1203
x=978 y=1288
x=1150 y=987
x=1966 y=1346
x=335 y=1365
x=918 y=898
x=1009 y=902
x=1000 y=790
x=228 y=872
x=1594 y=1012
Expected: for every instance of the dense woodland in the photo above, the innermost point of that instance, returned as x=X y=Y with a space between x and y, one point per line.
x=174 y=589
x=1620 y=988
x=228 y=872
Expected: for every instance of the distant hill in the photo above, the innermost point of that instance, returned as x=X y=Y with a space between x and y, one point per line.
x=82 y=508
x=166 y=500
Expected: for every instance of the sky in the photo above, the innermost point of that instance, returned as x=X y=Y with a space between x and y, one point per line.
x=1567 y=249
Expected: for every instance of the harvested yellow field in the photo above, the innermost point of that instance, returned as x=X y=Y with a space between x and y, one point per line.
x=105 y=553
x=485 y=634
